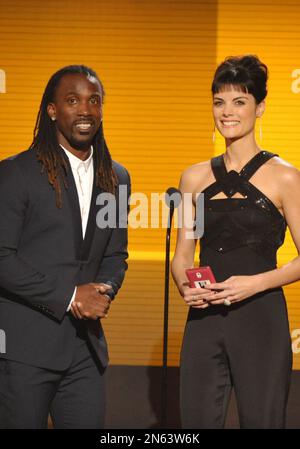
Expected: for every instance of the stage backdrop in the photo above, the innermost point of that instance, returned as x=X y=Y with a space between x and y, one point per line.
x=156 y=59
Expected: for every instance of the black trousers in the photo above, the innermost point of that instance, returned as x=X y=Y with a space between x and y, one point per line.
x=246 y=346
x=75 y=397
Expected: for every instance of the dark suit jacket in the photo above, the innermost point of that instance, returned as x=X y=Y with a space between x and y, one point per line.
x=43 y=257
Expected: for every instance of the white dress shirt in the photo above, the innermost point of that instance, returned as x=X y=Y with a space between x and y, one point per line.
x=83 y=173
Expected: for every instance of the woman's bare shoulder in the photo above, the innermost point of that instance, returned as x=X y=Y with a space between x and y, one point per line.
x=281 y=174
x=283 y=168
x=196 y=176
x=196 y=169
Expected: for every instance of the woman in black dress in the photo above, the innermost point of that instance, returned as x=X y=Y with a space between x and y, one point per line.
x=237 y=331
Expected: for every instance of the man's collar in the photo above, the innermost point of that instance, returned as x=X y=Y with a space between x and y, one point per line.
x=75 y=162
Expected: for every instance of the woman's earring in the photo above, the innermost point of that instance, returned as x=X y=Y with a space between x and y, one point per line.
x=214 y=134
x=260 y=130
x=53 y=118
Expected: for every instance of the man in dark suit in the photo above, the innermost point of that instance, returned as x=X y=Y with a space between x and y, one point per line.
x=59 y=271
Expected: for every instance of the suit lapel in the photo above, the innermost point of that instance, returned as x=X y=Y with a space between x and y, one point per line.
x=82 y=246
x=91 y=223
x=72 y=197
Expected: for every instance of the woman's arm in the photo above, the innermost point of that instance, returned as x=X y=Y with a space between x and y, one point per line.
x=185 y=246
x=290 y=199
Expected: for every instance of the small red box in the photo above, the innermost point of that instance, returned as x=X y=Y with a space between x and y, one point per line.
x=200 y=277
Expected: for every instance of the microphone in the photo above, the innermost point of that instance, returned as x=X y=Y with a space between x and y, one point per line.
x=173 y=197
x=172 y=200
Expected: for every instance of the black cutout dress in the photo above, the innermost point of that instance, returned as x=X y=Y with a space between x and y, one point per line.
x=246 y=345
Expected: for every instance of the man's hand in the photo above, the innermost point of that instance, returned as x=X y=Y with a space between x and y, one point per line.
x=91 y=302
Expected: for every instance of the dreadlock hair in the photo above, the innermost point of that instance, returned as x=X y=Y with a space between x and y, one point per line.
x=246 y=73
x=49 y=152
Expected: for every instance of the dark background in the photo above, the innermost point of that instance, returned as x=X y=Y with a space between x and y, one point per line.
x=134 y=396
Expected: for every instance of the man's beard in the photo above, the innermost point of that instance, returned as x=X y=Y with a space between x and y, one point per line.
x=79 y=144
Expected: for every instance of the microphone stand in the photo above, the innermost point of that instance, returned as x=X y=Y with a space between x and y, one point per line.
x=166 y=316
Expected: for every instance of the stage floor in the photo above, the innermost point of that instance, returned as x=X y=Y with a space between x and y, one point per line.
x=133 y=399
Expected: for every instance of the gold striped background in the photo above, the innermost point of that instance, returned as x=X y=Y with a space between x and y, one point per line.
x=156 y=59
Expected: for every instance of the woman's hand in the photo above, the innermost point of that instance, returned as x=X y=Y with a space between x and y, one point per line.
x=234 y=289
x=196 y=297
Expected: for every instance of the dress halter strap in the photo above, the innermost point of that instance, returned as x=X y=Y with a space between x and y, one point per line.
x=219 y=168
x=232 y=181
x=255 y=163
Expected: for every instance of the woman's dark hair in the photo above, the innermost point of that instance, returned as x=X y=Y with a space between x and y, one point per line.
x=47 y=147
x=247 y=73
